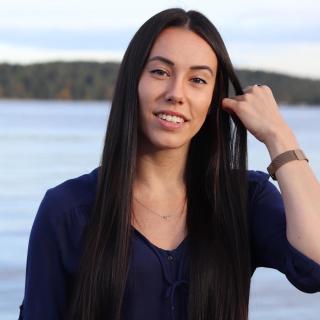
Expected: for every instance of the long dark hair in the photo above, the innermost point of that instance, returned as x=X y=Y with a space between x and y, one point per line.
x=216 y=191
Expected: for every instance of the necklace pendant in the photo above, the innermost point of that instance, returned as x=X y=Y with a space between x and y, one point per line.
x=165 y=217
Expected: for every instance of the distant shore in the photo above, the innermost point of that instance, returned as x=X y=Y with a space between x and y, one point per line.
x=96 y=81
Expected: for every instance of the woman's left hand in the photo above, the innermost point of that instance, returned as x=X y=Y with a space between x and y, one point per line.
x=300 y=189
x=258 y=111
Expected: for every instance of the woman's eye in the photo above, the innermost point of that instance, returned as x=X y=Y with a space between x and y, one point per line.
x=159 y=72
x=199 y=81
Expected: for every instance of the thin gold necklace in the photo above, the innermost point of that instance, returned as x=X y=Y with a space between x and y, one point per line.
x=164 y=217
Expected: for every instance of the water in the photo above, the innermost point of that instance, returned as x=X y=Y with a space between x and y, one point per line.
x=44 y=143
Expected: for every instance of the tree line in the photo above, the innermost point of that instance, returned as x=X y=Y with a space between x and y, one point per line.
x=96 y=81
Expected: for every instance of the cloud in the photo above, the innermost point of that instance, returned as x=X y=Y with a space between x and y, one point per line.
x=274 y=35
x=27 y=55
x=298 y=59
x=67 y=39
x=122 y=14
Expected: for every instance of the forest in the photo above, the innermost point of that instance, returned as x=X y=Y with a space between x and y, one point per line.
x=96 y=81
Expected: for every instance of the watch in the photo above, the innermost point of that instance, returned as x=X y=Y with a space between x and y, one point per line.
x=283 y=158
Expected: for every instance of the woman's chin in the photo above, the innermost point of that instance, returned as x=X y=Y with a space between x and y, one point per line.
x=165 y=144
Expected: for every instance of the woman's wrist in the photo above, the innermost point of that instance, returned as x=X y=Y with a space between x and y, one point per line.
x=280 y=141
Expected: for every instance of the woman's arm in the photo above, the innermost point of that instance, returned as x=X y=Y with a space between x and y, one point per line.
x=301 y=196
x=46 y=285
x=258 y=111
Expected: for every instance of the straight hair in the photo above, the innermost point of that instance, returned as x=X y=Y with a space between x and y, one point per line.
x=216 y=184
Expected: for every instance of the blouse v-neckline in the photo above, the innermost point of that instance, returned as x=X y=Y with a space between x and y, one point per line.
x=178 y=248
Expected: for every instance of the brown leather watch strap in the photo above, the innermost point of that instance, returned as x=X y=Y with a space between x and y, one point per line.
x=283 y=158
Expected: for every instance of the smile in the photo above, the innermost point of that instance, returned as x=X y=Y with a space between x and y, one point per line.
x=167 y=117
x=172 y=124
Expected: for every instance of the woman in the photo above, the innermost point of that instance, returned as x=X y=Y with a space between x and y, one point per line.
x=172 y=225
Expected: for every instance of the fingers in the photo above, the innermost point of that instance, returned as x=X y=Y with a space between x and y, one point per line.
x=230 y=102
x=252 y=94
x=255 y=87
x=229 y=105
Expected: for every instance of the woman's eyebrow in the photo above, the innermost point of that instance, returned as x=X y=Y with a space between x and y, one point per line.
x=162 y=59
x=202 y=67
x=171 y=63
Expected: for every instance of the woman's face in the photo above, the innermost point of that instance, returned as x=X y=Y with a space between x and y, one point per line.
x=179 y=77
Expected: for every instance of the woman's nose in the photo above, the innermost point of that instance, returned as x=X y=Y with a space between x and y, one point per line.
x=175 y=91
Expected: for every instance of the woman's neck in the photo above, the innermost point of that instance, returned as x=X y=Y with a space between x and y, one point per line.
x=162 y=170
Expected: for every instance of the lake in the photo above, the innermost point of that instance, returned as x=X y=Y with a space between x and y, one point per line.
x=43 y=143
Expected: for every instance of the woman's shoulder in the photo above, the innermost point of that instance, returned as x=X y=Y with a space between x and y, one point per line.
x=257 y=176
x=63 y=214
x=74 y=192
x=57 y=230
x=257 y=180
x=260 y=188
x=68 y=203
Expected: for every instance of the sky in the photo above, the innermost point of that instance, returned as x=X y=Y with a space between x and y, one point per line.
x=273 y=35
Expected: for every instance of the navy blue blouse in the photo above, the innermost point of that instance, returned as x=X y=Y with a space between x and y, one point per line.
x=157 y=284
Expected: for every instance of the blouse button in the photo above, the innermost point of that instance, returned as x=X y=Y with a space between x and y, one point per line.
x=170 y=257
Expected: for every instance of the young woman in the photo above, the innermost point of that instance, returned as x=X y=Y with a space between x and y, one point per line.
x=172 y=225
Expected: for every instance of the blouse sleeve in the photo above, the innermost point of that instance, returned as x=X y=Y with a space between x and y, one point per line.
x=46 y=283
x=270 y=247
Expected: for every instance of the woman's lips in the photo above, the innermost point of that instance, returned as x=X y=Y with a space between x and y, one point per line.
x=170 y=125
x=171 y=113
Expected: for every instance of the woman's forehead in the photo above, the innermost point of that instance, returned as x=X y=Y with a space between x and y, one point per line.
x=183 y=46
